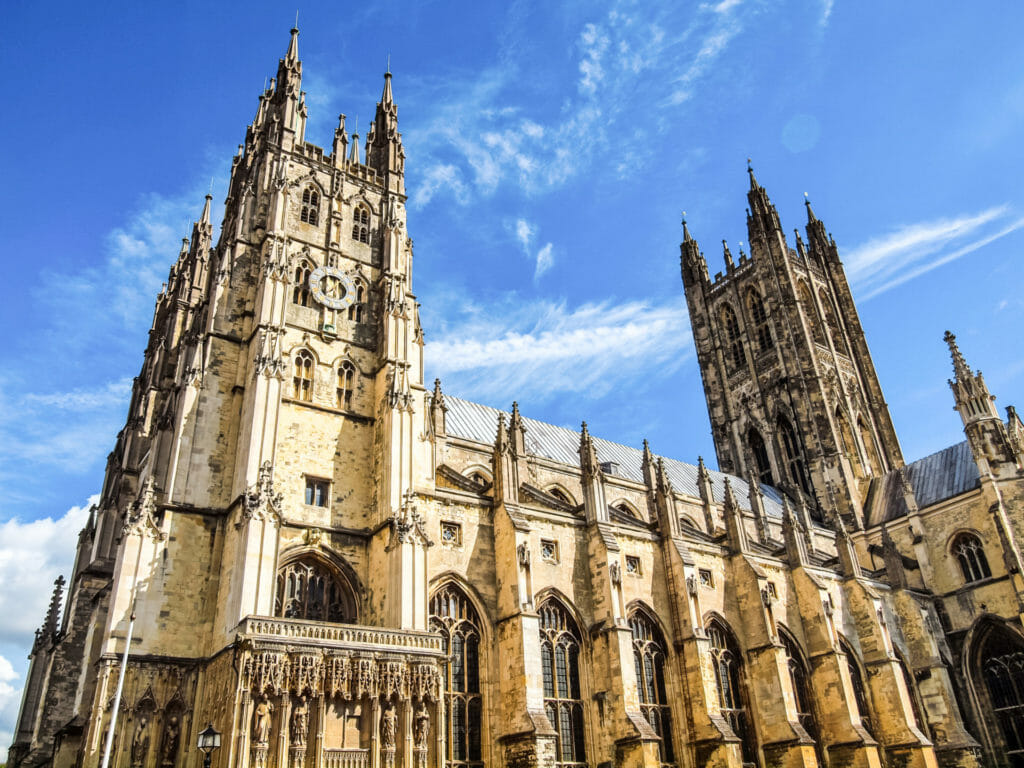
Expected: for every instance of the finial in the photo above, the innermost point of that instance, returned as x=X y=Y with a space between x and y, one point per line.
x=296 y=18
x=387 y=73
x=960 y=367
x=728 y=254
x=686 y=232
x=584 y=434
x=811 y=218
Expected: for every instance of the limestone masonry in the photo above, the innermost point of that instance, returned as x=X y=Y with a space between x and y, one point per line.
x=339 y=567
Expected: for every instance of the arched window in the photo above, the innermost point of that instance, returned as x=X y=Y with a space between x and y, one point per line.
x=760 y=319
x=799 y=676
x=310 y=589
x=807 y=304
x=310 y=213
x=860 y=694
x=625 y=509
x=734 y=347
x=346 y=384
x=725 y=654
x=838 y=338
x=970 y=554
x=915 y=698
x=361 y=224
x=760 y=453
x=300 y=293
x=563 y=701
x=355 y=309
x=1000 y=662
x=561 y=495
x=302 y=376
x=797 y=470
x=453 y=616
x=649 y=658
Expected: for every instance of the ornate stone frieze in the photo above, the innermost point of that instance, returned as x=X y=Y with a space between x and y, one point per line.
x=141 y=517
x=261 y=501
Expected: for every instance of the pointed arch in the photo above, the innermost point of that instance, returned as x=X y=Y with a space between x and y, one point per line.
x=303 y=370
x=560 y=493
x=803 y=295
x=314 y=586
x=793 y=454
x=849 y=444
x=758 y=450
x=300 y=281
x=356 y=308
x=994 y=666
x=860 y=692
x=309 y=212
x=731 y=335
x=967 y=549
x=361 y=223
x=727 y=660
x=800 y=678
x=345 y=385
x=650 y=653
x=561 y=642
x=832 y=320
x=626 y=508
x=455 y=617
x=759 y=319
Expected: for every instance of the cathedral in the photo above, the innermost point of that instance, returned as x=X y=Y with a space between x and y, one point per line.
x=303 y=546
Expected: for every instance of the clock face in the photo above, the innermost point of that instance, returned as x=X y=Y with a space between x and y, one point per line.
x=332 y=287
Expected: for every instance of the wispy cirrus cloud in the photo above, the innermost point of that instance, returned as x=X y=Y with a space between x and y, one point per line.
x=544 y=350
x=489 y=127
x=543 y=258
x=914 y=249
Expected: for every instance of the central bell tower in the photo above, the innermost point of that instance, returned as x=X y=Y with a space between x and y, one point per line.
x=792 y=394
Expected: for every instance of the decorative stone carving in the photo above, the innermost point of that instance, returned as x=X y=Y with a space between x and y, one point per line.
x=523 y=553
x=421 y=727
x=171 y=740
x=261 y=502
x=388 y=735
x=407 y=524
x=269 y=357
x=300 y=723
x=262 y=722
x=140 y=743
x=615 y=573
x=141 y=518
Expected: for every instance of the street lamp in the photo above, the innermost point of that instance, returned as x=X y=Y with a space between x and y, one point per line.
x=209 y=740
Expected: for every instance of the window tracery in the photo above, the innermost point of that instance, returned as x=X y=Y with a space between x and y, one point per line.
x=563 y=701
x=832 y=319
x=794 y=459
x=970 y=554
x=355 y=309
x=649 y=658
x=799 y=677
x=453 y=615
x=346 y=384
x=310 y=589
x=310 y=212
x=1001 y=662
x=760 y=320
x=860 y=694
x=361 y=224
x=760 y=454
x=734 y=345
x=300 y=293
x=302 y=376
x=727 y=661
x=807 y=303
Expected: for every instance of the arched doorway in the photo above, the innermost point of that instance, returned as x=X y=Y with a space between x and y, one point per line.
x=998 y=672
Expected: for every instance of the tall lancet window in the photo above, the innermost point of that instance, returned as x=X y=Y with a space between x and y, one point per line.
x=361 y=224
x=452 y=615
x=760 y=454
x=838 y=338
x=797 y=470
x=302 y=376
x=807 y=304
x=860 y=693
x=310 y=213
x=346 y=383
x=300 y=293
x=649 y=657
x=799 y=676
x=970 y=555
x=760 y=319
x=734 y=347
x=728 y=664
x=563 y=701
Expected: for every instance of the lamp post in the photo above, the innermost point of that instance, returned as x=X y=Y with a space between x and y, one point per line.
x=209 y=740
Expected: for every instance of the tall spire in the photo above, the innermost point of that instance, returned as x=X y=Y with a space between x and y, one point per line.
x=691 y=260
x=292 y=55
x=960 y=368
x=384 y=152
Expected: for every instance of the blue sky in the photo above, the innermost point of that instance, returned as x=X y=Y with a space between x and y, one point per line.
x=550 y=150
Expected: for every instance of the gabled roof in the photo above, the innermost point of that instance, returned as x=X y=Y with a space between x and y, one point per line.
x=478 y=423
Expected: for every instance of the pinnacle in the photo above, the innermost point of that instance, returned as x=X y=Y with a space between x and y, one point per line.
x=292 y=55
x=811 y=218
x=960 y=367
x=750 y=172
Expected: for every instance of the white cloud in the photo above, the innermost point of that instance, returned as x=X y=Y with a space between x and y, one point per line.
x=914 y=249
x=544 y=257
x=32 y=555
x=545 y=260
x=544 y=350
x=524 y=234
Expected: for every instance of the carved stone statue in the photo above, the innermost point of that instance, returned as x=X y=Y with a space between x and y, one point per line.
x=389 y=727
x=140 y=742
x=300 y=722
x=261 y=722
x=421 y=728
x=169 y=748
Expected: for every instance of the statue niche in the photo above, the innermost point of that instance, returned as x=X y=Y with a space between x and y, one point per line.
x=311 y=588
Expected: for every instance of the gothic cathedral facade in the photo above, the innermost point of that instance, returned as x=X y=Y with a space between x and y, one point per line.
x=301 y=544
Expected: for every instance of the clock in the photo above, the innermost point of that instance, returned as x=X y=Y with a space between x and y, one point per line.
x=332 y=287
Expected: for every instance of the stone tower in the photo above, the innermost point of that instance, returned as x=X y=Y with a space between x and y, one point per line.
x=792 y=393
